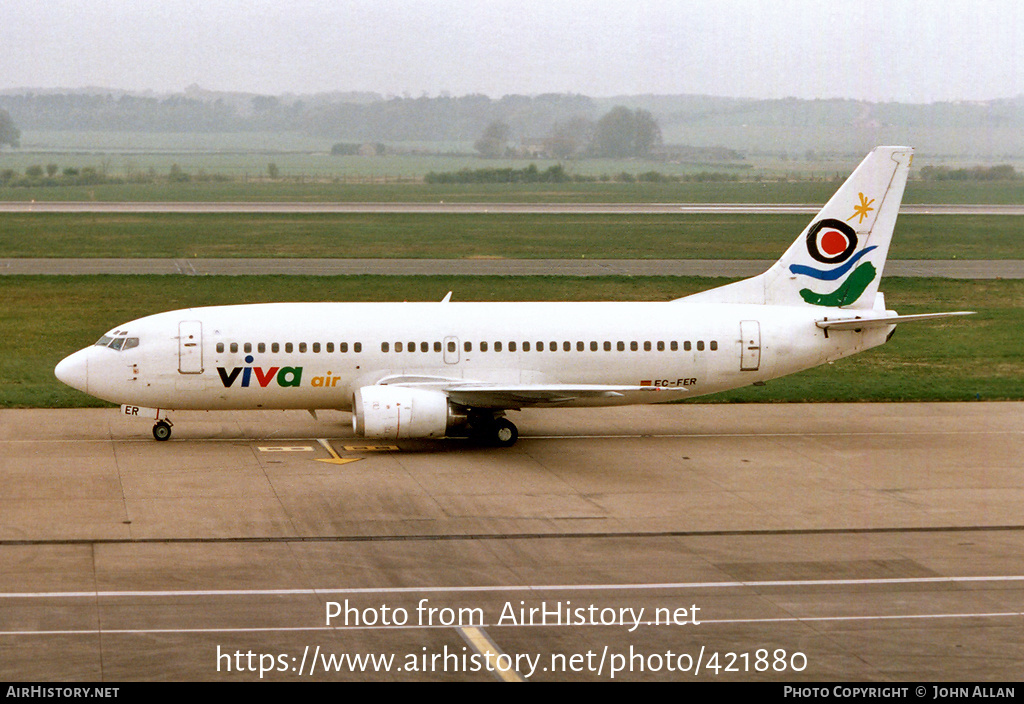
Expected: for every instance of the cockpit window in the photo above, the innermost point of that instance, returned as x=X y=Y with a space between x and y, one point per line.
x=119 y=343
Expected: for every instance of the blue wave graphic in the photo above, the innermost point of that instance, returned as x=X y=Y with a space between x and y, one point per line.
x=831 y=274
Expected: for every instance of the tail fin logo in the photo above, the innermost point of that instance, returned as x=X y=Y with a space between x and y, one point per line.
x=831 y=241
x=861 y=211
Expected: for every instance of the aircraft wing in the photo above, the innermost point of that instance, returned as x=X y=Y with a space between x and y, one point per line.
x=526 y=395
x=515 y=396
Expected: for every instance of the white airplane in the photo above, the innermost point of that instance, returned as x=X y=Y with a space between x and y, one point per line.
x=431 y=370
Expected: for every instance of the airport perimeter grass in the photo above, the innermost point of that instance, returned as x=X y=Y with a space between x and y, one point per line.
x=468 y=235
x=45 y=318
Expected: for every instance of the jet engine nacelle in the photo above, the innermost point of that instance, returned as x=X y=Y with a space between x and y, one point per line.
x=394 y=412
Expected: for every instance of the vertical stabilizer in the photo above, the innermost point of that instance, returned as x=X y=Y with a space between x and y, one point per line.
x=837 y=260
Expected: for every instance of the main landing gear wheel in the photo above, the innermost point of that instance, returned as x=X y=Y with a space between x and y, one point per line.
x=162 y=430
x=504 y=433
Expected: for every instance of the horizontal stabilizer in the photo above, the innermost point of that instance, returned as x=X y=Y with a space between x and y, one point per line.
x=858 y=323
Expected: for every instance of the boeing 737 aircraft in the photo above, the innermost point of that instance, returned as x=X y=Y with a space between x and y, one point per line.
x=431 y=370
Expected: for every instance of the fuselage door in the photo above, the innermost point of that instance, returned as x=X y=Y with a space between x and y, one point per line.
x=750 y=345
x=451 y=350
x=190 y=347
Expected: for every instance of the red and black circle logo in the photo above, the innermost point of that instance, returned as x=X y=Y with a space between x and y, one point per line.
x=831 y=241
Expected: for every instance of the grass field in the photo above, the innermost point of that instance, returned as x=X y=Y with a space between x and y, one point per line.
x=307 y=170
x=45 y=318
x=397 y=235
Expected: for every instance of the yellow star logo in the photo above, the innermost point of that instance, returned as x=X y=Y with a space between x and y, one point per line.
x=861 y=210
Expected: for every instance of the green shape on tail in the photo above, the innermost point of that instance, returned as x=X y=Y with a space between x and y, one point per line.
x=847 y=293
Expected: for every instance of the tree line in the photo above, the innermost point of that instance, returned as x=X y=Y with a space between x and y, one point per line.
x=9 y=133
x=619 y=133
x=363 y=119
x=560 y=126
x=557 y=174
x=563 y=125
x=52 y=175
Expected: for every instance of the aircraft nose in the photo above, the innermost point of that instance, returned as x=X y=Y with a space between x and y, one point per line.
x=73 y=370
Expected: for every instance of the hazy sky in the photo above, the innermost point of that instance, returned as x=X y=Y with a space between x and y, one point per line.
x=909 y=50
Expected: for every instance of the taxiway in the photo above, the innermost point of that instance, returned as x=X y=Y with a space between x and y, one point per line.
x=496 y=208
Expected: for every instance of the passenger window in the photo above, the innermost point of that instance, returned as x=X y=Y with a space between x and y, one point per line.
x=468 y=347
x=384 y=347
x=686 y=346
x=302 y=347
x=399 y=347
x=566 y=346
x=512 y=346
x=247 y=347
x=607 y=346
x=647 y=346
x=288 y=347
x=714 y=345
x=661 y=345
x=220 y=346
x=526 y=346
x=497 y=347
x=553 y=346
x=234 y=347
x=451 y=346
x=593 y=345
x=275 y=347
x=700 y=345
x=343 y=347
x=621 y=346
x=424 y=347
x=261 y=347
x=675 y=346
x=316 y=348
x=357 y=347
x=633 y=346
x=330 y=347
x=437 y=347
x=579 y=345
x=411 y=347
x=483 y=346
